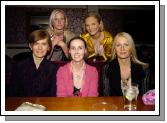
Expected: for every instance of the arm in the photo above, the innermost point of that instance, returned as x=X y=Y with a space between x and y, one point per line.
x=146 y=81
x=93 y=89
x=16 y=85
x=58 y=40
x=61 y=89
x=107 y=49
x=52 y=87
x=104 y=88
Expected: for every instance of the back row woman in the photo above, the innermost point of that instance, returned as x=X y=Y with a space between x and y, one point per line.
x=98 y=41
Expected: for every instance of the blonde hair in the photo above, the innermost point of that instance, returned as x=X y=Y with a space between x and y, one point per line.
x=97 y=16
x=52 y=17
x=132 y=46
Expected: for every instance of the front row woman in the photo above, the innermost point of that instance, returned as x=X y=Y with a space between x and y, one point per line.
x=35 y=75
x=123 y=67
x=77 y=78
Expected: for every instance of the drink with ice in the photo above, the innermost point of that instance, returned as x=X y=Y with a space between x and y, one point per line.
x=130 y=97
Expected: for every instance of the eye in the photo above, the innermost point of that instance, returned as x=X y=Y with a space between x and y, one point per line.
x=87 y=26
x=126 y=44
x=72 y=48
x=36 y=43
x=44 y=44
x=93 y=24
x=62 y=19
x=117 y=45
x=80 y=47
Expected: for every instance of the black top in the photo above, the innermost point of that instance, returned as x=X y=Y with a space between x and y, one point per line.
x=76 y=91
x=29 y=81
x=110 y=84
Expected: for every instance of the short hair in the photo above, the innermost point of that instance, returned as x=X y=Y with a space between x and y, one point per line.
x=52 y=17
x=80 y=38
x=132 y=47
x=95 y=15
x=39 y=35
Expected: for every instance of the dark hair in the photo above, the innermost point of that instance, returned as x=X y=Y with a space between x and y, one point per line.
x=80 y=38
x=39 y=35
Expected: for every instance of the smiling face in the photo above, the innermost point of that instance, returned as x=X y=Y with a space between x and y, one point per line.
x=92 y=25
x=122 y=48
x=77 y=50
x=59 y=21
x=40 y=48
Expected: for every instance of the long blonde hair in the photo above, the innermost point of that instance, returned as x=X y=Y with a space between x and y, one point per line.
x=132 y=45
x=52 y=17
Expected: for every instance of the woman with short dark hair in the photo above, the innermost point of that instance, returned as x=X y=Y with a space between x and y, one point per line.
x=34 y=76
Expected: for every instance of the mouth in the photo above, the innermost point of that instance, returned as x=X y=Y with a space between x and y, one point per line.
x=123 y=53
x=76 y=56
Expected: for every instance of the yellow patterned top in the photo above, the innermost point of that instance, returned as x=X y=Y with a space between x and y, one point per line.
x=106 y=43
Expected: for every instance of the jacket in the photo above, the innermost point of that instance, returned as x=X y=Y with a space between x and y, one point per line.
x=110 y=83
x=65 y=86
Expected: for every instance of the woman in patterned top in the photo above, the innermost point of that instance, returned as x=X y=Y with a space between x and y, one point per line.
x=60 y=35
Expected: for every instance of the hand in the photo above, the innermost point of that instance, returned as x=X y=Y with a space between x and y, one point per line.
x=101 y=50
x=63 y=45
x=56 y=39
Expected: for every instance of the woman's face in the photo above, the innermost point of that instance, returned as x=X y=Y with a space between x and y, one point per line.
x=77 y=50
x=59 y=21
x=122 y=48
x=40 y=48
x=92 y=25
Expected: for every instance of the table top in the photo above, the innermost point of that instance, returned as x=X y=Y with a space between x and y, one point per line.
x=72 y=103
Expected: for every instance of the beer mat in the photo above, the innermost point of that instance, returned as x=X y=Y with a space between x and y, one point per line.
x=28 y=106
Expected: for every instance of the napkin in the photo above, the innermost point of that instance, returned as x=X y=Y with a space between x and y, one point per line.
x=149 y=97
x=28 y=106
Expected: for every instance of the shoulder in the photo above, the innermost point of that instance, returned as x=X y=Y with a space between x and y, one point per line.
x=111 y=65
x=24 y=62
x=69 y=33
x=85 y=35
x=91 y=68
x=107 y=34
x=138 y=68
x=49 y=31
x=64 y=68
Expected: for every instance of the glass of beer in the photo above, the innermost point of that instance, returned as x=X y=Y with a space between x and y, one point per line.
x=130 y=95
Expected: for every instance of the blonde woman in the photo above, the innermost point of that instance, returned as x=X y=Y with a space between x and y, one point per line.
x=124 y=67
x=60 y=35
x=98 y=40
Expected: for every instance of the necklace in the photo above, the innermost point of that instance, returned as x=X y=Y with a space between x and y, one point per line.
x=78 y=75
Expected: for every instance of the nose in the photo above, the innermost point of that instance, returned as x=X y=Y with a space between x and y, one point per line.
x=76 y=51
x=122 y=47
x=59 y=21
x=40 y=47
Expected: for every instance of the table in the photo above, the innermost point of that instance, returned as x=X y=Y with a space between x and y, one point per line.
x=71 y=103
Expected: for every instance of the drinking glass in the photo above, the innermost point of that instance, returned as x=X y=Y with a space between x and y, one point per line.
x=130 y=95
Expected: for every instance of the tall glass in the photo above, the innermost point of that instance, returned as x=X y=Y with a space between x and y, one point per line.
x=130 y=95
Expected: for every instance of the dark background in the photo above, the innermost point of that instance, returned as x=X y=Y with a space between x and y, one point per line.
x=138 y=20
